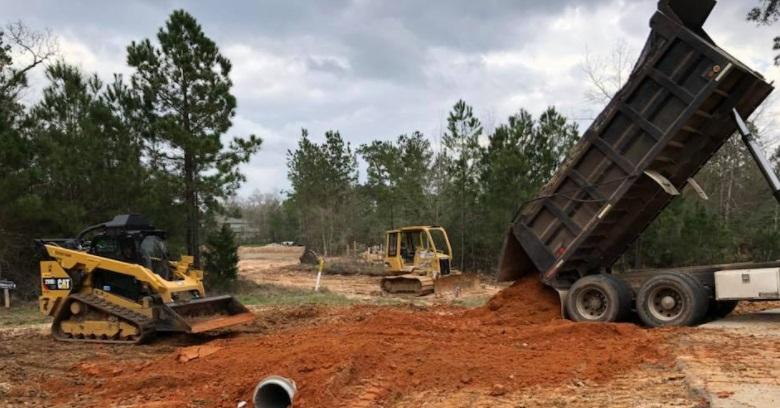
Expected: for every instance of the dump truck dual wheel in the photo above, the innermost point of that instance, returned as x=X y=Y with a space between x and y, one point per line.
x=672 y=299
x=598 y=298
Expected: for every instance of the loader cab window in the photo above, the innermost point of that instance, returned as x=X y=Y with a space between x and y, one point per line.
x=119 y=248
x=129 y=253
x=392 y=245
x=107 y=248
x=154 y=256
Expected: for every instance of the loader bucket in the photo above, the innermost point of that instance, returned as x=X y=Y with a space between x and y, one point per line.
x=207 y=314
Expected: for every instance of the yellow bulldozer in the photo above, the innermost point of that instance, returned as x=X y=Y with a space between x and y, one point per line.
x=114 y=283
x=418 y=261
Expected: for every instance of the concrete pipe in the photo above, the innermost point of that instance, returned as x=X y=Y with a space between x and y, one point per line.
x=275 y=392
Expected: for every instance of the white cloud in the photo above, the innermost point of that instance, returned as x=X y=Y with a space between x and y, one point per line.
x=375 y=69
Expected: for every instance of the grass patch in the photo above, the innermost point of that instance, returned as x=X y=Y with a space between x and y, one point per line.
x=250 y=293
x=347 y=267
x=21 y=314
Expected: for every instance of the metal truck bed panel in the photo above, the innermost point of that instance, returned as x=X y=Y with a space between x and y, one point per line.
x=663 y=125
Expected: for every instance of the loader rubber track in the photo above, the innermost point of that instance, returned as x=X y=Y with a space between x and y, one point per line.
x=144 y=324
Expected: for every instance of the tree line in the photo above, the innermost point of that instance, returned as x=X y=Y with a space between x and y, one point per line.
x=152 y=143
x=473 y=184
x=87 y=150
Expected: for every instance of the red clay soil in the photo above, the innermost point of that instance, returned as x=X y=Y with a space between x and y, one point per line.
x=527 y=301
x=370 y=356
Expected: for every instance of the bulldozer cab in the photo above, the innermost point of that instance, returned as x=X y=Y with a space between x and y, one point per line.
x=417 y=249
x=417 y=261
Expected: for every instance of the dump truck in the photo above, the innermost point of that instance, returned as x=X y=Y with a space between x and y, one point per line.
x=684 y=98
x=115 y=283
x=418 y=261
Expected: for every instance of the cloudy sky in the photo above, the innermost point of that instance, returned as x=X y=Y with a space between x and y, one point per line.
x=374 y=69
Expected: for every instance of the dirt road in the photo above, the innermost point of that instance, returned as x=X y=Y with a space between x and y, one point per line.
x=278 y=265
x=734 y=362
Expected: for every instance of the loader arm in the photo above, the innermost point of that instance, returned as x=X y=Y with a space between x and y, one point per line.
x=70 y=259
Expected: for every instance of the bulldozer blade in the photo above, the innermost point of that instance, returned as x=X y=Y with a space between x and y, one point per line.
x=455 y=283
x=207 y=314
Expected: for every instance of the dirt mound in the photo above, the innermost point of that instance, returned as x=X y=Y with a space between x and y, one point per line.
x=309 y=257
x=527 y=301
x=365 y=356
x=755 y=307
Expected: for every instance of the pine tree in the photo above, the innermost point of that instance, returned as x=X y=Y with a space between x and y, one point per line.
x=184 y=85
x=461 y=141
x=108 y=177
x=519 y=159
x=221 y=266
x=397 y=174
x=324 y=178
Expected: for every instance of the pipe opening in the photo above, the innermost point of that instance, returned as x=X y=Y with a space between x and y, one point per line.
x=274 y=392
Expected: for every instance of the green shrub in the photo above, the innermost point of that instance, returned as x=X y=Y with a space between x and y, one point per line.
x=221 y=259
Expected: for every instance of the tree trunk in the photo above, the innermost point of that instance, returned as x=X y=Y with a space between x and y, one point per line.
x=323 y=227
x=729 y=192
x=463 y=220
x=190 y=190
x=191 y=202
x=392 y=215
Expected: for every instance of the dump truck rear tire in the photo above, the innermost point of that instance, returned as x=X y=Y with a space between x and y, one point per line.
x=598 y=298
x=671 y=299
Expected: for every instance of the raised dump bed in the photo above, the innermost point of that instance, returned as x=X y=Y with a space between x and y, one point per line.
x=670 y=118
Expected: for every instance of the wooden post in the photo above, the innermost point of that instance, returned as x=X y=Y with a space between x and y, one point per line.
x=319 y=273
x=7 y=296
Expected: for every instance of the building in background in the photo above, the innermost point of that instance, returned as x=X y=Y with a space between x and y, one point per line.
x=242 y=229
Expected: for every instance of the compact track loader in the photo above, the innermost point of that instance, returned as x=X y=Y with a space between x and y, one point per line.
x=417 y=261
x=114 y=283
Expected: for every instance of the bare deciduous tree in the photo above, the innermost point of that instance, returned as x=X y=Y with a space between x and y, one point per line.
x=607 y=73
x=31 y=48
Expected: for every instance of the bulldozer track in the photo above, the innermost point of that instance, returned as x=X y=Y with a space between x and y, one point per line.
x=408 y=284
x=144 y=324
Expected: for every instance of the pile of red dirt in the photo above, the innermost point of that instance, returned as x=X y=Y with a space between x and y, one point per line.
x=364 y=356
x=527 y=301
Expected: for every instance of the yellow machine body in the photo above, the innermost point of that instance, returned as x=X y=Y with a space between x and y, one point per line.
x=417 y=261
x=74 y=290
